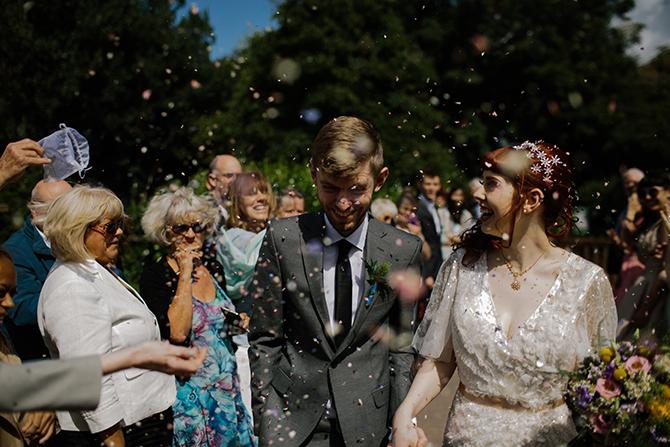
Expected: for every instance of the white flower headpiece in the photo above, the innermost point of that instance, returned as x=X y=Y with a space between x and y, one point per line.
x=541 y=164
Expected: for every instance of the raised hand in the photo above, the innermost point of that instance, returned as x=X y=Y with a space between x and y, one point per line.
x=186 y=255
x=17 y=157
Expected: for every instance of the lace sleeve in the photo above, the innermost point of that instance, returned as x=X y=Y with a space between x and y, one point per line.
x=600 y=311
x=434 y=333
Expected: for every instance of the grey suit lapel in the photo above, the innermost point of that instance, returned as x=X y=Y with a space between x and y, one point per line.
x=375 y=244
x=311 y=248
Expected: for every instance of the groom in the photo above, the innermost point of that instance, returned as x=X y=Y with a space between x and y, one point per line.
x=330 y=353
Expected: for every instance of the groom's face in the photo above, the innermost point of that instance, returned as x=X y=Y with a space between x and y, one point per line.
x=346 y=200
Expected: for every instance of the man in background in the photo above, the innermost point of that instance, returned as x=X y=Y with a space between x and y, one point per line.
x=290 y=203
x=222 y=172
x=31 y=254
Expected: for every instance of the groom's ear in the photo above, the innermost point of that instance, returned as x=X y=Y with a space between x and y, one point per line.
x=381 y=178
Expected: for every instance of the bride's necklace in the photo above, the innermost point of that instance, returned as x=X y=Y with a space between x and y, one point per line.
x=516 y=285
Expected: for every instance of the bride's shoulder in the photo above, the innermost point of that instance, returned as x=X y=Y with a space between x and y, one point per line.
x=580 y=265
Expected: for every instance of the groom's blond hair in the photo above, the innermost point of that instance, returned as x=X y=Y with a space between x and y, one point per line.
x=344 y=144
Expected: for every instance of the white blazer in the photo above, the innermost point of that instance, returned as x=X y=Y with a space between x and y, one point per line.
x=84 y=310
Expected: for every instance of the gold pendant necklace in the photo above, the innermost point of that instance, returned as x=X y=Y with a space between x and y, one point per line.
x=516 y=284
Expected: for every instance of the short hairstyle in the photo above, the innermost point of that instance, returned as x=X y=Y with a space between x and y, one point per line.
x=344 y=144
x=39 y=208
x=71 y=215
x=291 y=192
x=407 y=197
x=173 y=207
x=427 y=172
x=655 y=178
x=245 y=184
x=382 y=206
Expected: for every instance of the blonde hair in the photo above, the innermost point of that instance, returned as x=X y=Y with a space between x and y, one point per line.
x=173 y=207
x=344 y=144
x=71 y=215
x=245 y=184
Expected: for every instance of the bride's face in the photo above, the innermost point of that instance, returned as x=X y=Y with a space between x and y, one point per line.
x=496 y=199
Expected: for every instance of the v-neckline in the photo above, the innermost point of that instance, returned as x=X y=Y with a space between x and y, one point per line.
x=552 y=291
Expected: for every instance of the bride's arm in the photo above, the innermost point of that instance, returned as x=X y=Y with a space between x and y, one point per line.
x=430 y=379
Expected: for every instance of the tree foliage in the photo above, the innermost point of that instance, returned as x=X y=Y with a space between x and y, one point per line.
x=443 y=81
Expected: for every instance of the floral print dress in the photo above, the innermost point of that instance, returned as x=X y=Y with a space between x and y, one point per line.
x=209 y=409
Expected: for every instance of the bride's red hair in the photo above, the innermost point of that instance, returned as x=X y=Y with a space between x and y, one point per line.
x=539 y=165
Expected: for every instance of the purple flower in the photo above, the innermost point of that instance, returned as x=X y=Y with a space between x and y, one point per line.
x=609 y=371
x=584 y=398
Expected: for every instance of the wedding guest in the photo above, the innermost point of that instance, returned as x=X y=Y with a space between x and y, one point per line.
x=33 y=259
x=631 y=267
x=290 y=203
x=407 y=221
x=511 y=309
x=454 y=216
x=222 y=172
x=185 y=289
x=18 y=428
x=85 y=309
x=643 y=305
x=384 y=209
x=426 y=212
x=330 y=354
x=252 y=205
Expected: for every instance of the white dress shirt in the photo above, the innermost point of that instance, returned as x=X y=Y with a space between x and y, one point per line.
x=330 y=251
x=85 y=310
x=432 y=209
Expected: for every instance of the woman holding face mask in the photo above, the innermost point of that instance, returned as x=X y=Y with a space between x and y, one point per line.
x=185 y=289
x=511 y=309
x=86 y=309
x=644 y=304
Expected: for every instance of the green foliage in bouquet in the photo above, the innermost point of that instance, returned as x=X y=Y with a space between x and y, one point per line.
x=621 y=396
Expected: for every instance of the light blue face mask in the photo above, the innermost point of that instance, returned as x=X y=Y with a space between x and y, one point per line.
x=68 y=151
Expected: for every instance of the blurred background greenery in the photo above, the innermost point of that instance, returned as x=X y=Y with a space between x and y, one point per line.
x=444 y=81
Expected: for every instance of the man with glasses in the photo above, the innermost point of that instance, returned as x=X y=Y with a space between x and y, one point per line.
x=222 y=171
x=31 y=254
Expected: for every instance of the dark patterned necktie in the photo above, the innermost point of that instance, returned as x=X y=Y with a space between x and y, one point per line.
x=343 y=286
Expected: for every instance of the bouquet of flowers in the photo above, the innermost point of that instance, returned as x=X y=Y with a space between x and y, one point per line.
x=621 y=396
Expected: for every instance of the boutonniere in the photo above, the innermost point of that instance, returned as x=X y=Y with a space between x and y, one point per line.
x=377 y=272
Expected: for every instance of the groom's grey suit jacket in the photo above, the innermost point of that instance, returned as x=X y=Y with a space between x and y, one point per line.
x=296 y=368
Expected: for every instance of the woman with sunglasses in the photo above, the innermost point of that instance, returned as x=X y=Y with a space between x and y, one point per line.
x=644 y=304
x=86 y=309
x=185 y=289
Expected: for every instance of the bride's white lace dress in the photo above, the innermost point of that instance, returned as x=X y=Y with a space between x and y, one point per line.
x=523 y=372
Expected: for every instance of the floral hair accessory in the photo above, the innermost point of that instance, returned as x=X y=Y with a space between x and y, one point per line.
x=541 y=163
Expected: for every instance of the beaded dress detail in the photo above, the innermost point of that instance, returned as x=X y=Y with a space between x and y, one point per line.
x=524 y=371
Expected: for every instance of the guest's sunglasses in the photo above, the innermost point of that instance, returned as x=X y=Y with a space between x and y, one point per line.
x=111 y=227
x=651 y=191
x=197 y=227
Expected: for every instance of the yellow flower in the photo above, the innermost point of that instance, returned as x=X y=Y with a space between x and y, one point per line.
x=644 y=351
x=606 y=354
x=666 y=392
x=620 y=374
x=660 y=409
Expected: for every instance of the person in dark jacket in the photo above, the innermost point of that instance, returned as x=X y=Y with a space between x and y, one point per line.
x=32 y=257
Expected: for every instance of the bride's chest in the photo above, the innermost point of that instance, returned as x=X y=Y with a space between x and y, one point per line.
x=546 y=333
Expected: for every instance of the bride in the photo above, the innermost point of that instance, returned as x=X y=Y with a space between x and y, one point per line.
x=512 y=310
